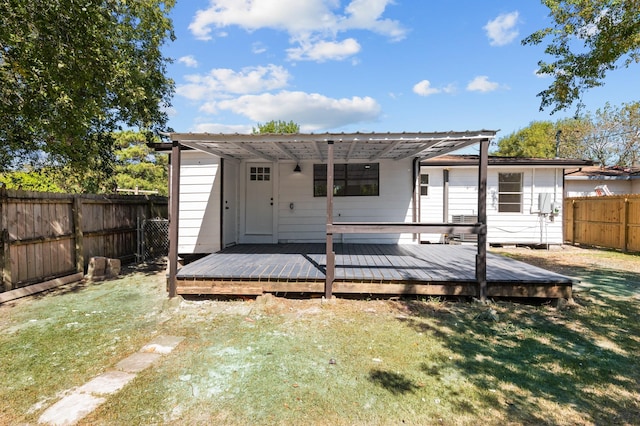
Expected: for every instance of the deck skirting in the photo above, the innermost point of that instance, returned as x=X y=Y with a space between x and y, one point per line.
x=365 y=269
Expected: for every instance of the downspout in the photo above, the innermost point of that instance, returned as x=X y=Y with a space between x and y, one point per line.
x=415 y=212
x=445 y=196
x=174 y=203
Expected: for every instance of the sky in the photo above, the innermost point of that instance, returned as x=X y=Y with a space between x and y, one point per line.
x=364 y=66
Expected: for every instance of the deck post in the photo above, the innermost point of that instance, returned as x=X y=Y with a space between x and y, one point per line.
x=174 y=208
x=331 y=256
x=481 y=257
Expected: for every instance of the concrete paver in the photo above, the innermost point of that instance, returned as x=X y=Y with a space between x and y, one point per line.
x=81 y=401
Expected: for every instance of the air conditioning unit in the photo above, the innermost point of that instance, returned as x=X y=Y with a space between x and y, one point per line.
x=466 y=219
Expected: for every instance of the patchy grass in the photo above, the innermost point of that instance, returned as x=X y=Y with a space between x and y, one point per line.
x=282 y=361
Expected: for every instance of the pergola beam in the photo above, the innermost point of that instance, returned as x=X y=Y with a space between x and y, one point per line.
x=252 y=150
x=285 y=151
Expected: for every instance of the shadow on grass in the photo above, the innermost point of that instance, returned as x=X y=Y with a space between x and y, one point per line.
x=395 y=383
x=584 y=358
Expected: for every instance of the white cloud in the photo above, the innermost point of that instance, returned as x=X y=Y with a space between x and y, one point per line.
x=221 y=128
x=324 y=50
x=307 y=22
x=481 y=83
x=424 y=88
x=501 y=30
x=220 y=82
x=189 y=61
x=311 y=110
x=258 y=47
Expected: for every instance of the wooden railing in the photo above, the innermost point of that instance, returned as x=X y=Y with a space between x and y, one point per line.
x=45 y=236
x=611 y=221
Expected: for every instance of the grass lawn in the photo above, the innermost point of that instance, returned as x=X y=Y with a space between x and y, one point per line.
x=354 y=362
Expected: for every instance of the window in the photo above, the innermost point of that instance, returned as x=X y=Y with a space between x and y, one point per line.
x=424 y=184
x=348 y=180
x=510 y=192
x=260 y=173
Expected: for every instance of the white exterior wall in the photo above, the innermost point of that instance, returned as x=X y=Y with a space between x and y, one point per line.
x=306 y=221
x=582 y=187
x=199 y=215
x=200 y=194
x=527 y=227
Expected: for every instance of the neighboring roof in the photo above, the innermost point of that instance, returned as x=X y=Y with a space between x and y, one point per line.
x=472 y=160
x=604 y=173
x=347 y=146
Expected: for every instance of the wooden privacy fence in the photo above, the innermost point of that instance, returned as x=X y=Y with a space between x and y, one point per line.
x=45 y=236
x=611 y=221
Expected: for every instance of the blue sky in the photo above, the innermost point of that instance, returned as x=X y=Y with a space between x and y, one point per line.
x=364 y=65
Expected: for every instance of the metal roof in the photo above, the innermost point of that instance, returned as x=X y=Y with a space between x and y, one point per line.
x=347 y=146
x=493 y=160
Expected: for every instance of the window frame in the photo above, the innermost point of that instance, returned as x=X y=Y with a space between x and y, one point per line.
x=424 y=187
x=507 y=195
x=346 y=182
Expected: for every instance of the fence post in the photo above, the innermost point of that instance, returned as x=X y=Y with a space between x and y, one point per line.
x=78 y=234
x=574 y=221
x=5 y=253
x=625 y=224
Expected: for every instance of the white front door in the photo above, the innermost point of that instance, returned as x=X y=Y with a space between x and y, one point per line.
x=259 y=202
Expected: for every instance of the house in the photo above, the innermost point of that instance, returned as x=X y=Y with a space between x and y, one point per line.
x=597 y=180
x=268 y=189
x=261 y=208
x=524 y=197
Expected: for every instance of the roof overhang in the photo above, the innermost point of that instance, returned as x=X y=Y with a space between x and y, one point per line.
x=347 y=146
x=472 y=160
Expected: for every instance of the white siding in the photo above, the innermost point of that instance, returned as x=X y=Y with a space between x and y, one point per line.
x=586 y=187
x=306 y=221
x=526 y=227
x=199 y=216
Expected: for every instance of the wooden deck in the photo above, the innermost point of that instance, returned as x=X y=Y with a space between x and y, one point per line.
x=369 y=269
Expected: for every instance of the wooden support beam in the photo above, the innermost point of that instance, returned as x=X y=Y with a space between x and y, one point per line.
x=78 y=233
x=400 y=227
x=388 y=149
x=245 y=146
x=285 y=151
x=316 y=148
x=352 y=147
x=481 y=257
x=331 y=256
x=40 y=287
x=207 y=149
x=174 y=209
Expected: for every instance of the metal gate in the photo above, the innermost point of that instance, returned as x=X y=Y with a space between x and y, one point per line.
x=153 y=239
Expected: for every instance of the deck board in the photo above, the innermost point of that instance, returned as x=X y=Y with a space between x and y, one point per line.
x=387 y=268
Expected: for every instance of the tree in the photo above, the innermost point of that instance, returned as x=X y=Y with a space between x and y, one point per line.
x=135 y=166
x=276 y=126
x=610 y=137
x=72 y=72
x=535 y=141
x=589 y=39
x=614 y=139
x=138 y=166
x=546 y=139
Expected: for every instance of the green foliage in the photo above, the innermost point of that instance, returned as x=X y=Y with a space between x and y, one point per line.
x=536 y=141
x=71 y=72
x=40 y=180
x=132 y=165
x=589 y=39
x=610 y=136
x=276 y=126
x=138 y=166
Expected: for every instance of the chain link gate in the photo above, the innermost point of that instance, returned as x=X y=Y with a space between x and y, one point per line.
x=153 y=239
